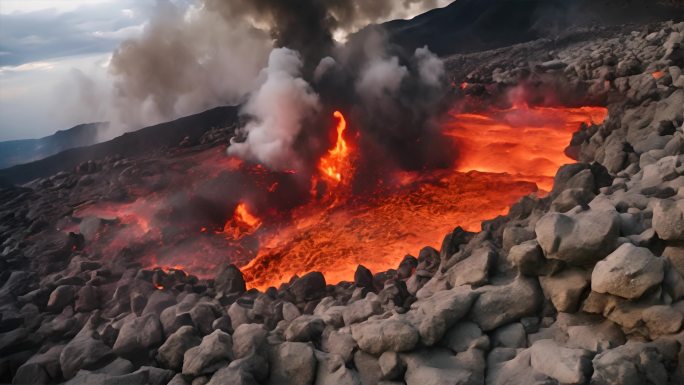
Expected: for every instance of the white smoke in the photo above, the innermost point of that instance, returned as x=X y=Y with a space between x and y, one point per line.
x=280 y=107
x=381 y=78
x=430 y=67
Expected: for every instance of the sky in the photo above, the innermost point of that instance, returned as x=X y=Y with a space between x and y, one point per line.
x=53 y=50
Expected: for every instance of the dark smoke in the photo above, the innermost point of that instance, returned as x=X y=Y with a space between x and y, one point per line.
x=392 y=98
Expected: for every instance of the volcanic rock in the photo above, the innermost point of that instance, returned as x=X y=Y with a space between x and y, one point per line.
x=305 y=328
x=249 y=339
x=360 y=310
x=473 y=270
x=85 y=351
x=579 y=239
x=628 y=272
x=215 y=351
x=309 y=287
x=292 y=363
x=87 y=299
x=439 y=366
x=566 y=365
x=332 y=371
x=433 y=316
x=138 y=335
x=42 y=368
x=60 y=297
x=668 y=219
x=565 y=288
x=501 y=304
x=170 y=354
x=339 y=343
x=595 y=337
x=463 y=336
x=635 y=363
x=378 y=336
x=157 y=302
x=229 y=280
x=363 y=277
x=368 y=367
x=661 y=320
x=510 y=336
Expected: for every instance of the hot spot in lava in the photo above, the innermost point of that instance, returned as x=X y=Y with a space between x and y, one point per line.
x=265 y=222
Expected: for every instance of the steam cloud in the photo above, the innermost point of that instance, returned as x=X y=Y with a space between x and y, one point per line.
x=279 y=109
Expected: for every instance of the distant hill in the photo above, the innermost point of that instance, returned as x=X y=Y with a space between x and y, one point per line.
x=15 y=152
x=145 y=140
x=476 y=25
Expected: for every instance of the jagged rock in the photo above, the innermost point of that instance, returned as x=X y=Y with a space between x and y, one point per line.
x=292 y=363
x=362 y=309
x=568 y=366
x=203 y=317
x=635 y=363
x=438 y=366
x=463 y=336
x=215 y=351
x=248 y=339
x=363 y=277
x=172 y=320
x=290 y=311
x=368 y=367
x=662 y=319
x=250 y=370
x=581 y=239
x=514 y=370
x=85 y=351
x=170 y=354
x=628 y=272
x=595 y=337
x=565 y=288
x=378 y=336
x=305 y=328
x=473 y=270
x=61 y=297
x=433 y=316
x=499 y=305
x=309 y=287
x=339 y=343
x=668 y=219
x=229 y=280
x=42 y=368
x=510 y=336
x=157 y=302
x=391 y=366
x=138 y=335
x=238 y=315
x=86 y=299
x=332 y=371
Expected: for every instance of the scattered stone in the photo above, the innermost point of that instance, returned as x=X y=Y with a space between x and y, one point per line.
x=628 y=272
x=170 y=354
x=214 y=352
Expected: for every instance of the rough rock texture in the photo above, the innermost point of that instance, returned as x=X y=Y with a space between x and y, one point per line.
x=628 y=272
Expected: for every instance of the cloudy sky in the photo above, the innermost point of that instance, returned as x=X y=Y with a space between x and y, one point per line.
x=48 y=46
x=55 y=55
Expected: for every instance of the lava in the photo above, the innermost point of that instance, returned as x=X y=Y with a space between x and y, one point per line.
x=525 y=142
x=242 y=223
x=274 y=234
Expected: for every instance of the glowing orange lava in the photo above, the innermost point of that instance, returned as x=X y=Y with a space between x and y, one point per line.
x=658 y=74
x=336 y=163
x=502 y=155
x=526 y=142
x=242 y=223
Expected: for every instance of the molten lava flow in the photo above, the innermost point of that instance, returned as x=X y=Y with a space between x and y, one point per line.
x=526 y=142
x=242 y=223
x=336 y=164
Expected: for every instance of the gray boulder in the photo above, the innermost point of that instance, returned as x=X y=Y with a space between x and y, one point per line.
x=170 y=354
x=214 y=352
x=292 y=363
x=668 y=219
x=565 y=288
x=579 y=239
x=249 y=339
x=378 y=336
x=85 y=351
x=138 y=335
x=567 y=365
x=502 y=304
x=628 y=272
x=229 y=280
x=305 y=328
x=434 y=315
x=636 y=363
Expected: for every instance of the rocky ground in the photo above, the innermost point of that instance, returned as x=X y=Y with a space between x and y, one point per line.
x=583 y=286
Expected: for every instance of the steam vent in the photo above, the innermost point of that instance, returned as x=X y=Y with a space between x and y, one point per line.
x=359 y=192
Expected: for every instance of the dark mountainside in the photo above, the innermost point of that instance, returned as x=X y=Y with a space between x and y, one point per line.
x=15 y=152
x=131 y=144
x=476 y=25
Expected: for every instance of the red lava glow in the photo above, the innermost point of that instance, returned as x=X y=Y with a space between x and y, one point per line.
x=503 y=155
x=658 y=74
x=526 y=142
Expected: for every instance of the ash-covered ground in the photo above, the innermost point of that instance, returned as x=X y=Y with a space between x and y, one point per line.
x=584 y=285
